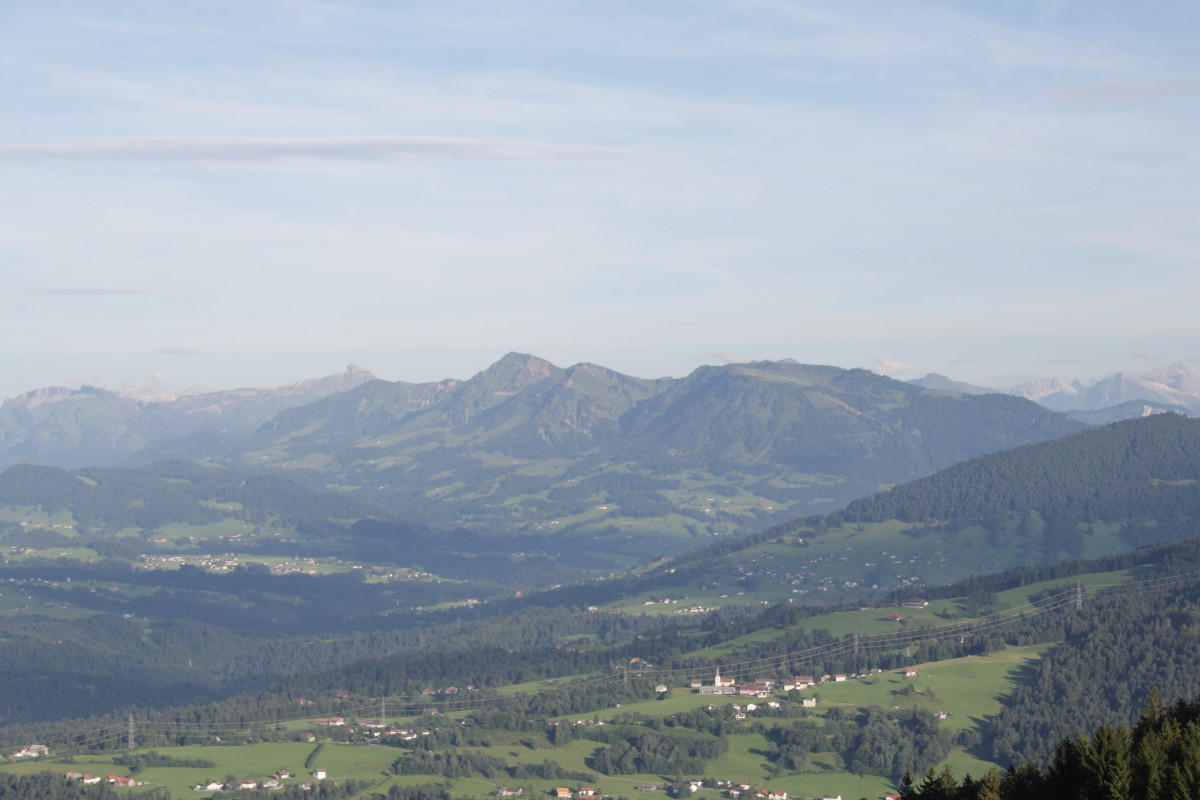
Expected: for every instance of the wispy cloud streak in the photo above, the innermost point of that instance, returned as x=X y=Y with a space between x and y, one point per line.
x=193 y=149
x=89 y=291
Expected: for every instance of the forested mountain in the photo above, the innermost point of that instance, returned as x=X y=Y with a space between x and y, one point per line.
x=617 y=467
x=1098 y=492
x=1113 y=658
x=1144 y=474
x=584 y=452
x=95 y=427
x=1156 y=758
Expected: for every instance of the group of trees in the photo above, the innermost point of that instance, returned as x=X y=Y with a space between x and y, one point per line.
x=1158 y=758
x=1110 y=654
x=654 y=753
x=873 y=742
x=55 y=786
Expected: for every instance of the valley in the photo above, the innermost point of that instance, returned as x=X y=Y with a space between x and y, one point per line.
x=290 y=617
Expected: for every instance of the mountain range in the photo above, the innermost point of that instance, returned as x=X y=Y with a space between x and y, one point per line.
x=1099 y=400
x=617 y=467
x=89 y=426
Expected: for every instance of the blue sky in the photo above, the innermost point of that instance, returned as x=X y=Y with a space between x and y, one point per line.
x=230 y=193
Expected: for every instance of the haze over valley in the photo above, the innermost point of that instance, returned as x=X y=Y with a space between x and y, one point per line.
x=711 y=400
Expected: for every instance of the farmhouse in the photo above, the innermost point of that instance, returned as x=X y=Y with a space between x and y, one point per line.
x=32 y=751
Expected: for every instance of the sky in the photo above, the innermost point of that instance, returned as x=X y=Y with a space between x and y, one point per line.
x=230 y=193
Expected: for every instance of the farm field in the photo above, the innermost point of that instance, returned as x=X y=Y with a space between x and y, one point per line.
x=969 y=688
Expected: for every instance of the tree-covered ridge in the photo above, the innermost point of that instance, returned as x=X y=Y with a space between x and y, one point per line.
x=1112 y=656
x=1137 y=469
x=1157 y=758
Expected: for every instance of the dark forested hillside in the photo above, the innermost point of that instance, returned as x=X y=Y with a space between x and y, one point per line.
x=1144 y=469
x=1114 y=656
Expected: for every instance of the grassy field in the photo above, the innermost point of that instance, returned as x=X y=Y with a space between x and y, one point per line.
x=971 y=690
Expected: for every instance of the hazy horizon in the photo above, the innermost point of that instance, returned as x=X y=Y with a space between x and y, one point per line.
x=224 y=194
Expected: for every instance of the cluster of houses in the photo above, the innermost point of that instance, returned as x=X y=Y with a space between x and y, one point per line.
x=376 y=728
x=111 y=780
x=275 y=781
x=739 y=790
x=761 y=687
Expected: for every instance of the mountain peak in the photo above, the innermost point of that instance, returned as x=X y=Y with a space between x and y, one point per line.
x=518 y=370
x=1177 y=377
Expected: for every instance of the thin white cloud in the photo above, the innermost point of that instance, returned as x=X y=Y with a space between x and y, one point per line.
x=89 y=291
x=1147 y=355
x=724 y=358
x=178 y=351
x=204 y=149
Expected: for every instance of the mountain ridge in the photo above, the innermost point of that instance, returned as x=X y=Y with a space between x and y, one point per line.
x=621 y=468
x=91 y=426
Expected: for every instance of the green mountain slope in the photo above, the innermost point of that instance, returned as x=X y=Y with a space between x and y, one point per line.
x=640 y=466
x=1097 y=492
x=1145 y=470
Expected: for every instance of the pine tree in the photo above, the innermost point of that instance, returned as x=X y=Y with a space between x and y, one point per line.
x=988 y=787
x=1108 y=761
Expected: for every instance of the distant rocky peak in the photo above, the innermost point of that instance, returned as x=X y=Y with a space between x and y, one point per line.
x=1176 y=376
x=1038 y=389
x=352 y=378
